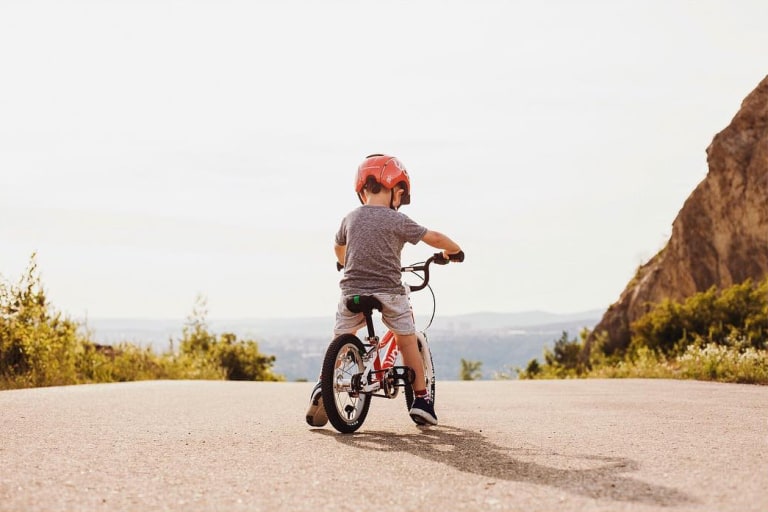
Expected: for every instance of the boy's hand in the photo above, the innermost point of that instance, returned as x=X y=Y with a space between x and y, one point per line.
x=439 y=258
x=443 y=258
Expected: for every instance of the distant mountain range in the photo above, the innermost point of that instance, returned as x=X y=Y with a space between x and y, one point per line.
x=501 y=341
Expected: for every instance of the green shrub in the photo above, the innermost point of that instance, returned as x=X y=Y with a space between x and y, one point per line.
x=532 y=370
x=241 y=360
x=38 y=347
x=41 y=347
x=724 y=363
x=564 y=356
x=736 y=314
x=471 y=370
x=643 y=364
x=713 y=335
x=238 y=360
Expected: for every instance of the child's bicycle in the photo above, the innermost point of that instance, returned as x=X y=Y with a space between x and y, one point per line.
x=354 y=371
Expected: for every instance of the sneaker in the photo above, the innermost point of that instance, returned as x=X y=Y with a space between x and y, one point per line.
x=316 y=416
x=423 y=411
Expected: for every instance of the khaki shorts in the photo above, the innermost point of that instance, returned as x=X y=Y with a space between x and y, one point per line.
x=396 y=315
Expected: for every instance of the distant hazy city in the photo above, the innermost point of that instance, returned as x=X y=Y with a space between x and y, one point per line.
x=501 y=341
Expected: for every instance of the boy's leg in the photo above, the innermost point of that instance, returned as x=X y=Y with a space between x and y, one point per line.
x=423 y=410
x=409 y=348
x=397 y=315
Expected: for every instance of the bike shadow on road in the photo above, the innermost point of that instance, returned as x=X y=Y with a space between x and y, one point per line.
x=594 y=476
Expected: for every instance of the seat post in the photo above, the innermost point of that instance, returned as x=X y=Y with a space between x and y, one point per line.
x=369 y=323
x=365 y=304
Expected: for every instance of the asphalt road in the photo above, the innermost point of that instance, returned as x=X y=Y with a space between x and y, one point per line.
x=582 y=445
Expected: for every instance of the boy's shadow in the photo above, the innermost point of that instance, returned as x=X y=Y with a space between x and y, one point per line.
x=468 y=451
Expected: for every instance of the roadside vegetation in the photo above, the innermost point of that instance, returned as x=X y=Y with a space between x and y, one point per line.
x=718 y=335
x=471 y=370
x=39 y=346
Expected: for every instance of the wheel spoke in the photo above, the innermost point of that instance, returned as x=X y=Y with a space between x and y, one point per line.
x=346 y=406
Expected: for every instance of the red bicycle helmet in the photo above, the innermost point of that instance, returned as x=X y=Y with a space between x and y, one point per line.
x=387 y=171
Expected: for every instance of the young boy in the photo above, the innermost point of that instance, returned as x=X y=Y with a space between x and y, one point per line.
x=368 y=245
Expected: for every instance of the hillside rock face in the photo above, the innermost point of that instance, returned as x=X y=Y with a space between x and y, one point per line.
x=720 y=236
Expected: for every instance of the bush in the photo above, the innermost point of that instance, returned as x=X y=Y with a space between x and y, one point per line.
x=532 y=370
x=725 y=364
x=643 y=364
x=38 y=347
x=713 y=335
x=563 y=361
x=41 y=347
x=736 y=314
x=471 y=370
x=564 y=356
x=238 y=360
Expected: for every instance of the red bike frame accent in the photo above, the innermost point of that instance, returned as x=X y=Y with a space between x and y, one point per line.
x=386 y=354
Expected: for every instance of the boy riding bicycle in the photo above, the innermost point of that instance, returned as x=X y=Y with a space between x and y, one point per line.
x=368 y=245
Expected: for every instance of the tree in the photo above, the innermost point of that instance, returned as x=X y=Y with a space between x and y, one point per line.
x=532 y=370
x=38 y=346
x=565 y=353
x=236 y=359
x=471 y=370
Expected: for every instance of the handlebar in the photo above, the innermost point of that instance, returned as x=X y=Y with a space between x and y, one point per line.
x=437 y=259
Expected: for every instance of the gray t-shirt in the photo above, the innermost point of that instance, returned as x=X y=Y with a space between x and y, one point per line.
x=375 y=236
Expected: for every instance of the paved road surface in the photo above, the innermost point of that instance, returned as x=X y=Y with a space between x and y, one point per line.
x=588 y=445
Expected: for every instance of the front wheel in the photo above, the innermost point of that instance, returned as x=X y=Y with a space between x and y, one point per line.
x=345 y=406
x=429 y=371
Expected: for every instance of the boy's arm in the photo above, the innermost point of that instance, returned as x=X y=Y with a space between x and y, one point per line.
x=341 y=253
x=440 y=241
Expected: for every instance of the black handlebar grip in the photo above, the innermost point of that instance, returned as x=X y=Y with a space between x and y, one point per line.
x=439 y=259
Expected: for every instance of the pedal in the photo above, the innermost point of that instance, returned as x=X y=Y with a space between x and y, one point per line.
x=403 y=375
x=376 y=376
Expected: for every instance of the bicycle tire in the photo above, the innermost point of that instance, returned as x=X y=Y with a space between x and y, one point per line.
x=429 y=371
x=344 y=358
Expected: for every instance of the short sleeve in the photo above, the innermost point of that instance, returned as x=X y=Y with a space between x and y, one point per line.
x=412 y=231
x=341 y=234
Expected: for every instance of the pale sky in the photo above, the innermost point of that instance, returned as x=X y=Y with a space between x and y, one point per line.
x=154 y=151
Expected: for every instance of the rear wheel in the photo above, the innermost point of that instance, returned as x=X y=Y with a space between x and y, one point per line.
x=345 y=407
x=429 y=371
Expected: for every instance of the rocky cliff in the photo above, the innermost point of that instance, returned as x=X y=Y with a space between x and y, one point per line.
x=720 y=236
